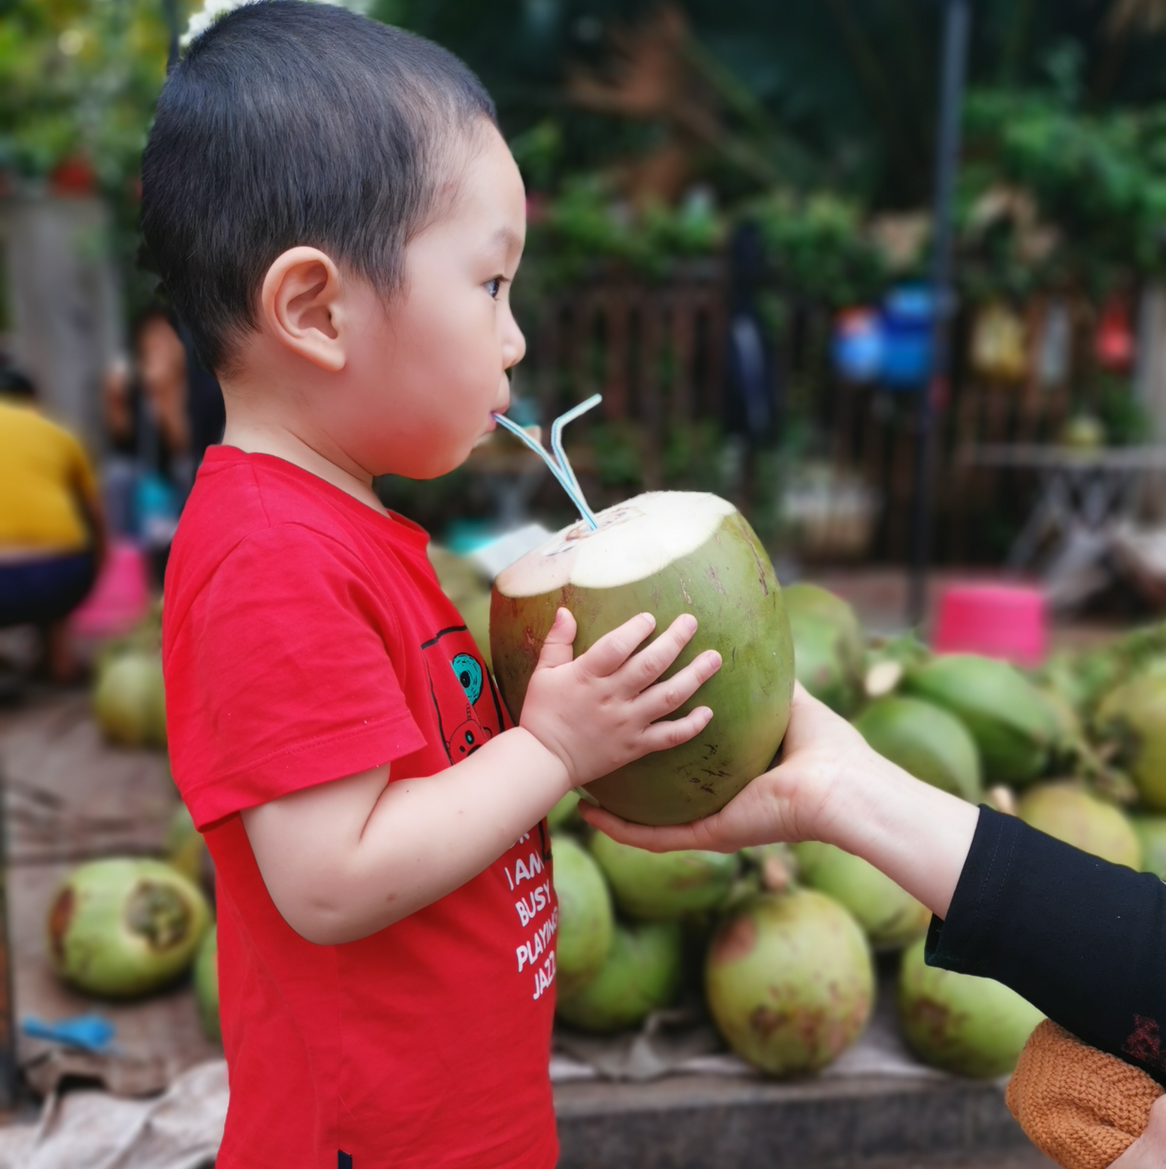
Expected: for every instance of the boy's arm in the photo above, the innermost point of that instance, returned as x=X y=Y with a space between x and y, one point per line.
x=831 y=786
x=347 y=858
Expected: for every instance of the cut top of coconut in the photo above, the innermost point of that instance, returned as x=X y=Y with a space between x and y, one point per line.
x=634 y=541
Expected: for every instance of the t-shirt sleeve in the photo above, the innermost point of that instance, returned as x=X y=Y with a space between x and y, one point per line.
x=281 y=676
x=1082 y=939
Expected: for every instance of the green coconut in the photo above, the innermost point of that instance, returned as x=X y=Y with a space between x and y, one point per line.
x=1070 y=813
x=666 y=553
x=963 y=1024
x=790 y=981
x=925 y=740
x=129 y=700
x=186 y=850
x=888 y=914
x=642 y=974
x=664 y=886
x=1008 y=717
x=1151 y=832
x=206 y=985
x=185 y=844
x=565 y=811
x=1063 y=674
x=1132 y=717
x=125 y=926
x=829 y=654
x=586 y=919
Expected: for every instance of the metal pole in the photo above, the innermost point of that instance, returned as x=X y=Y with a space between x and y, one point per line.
x=956 y=22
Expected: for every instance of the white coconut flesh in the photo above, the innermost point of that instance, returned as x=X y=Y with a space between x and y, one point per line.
x=665 y=553
x=634 y=540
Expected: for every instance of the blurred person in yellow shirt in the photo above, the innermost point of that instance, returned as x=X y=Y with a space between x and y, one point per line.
x=52 y=534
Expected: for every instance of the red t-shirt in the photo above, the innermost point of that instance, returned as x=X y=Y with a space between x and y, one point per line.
x=306 y=638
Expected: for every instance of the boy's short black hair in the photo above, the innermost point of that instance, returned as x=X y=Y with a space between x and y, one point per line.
x=291 y=123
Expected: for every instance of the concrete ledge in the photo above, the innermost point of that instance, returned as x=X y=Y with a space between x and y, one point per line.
x=695 y=1122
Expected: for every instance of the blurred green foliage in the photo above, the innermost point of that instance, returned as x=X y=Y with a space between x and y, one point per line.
x=79 y=78
x=846 y=89
x=820 y=246
x=78 y=82
x=825 y=115
x=1096 y=180
x=587 y=224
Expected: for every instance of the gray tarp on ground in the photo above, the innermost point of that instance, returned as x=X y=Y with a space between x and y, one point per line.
x=90 y=1128
x=181 y=1128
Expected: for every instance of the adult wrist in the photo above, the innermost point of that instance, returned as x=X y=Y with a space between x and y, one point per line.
x=875 y=796
x=855 y=791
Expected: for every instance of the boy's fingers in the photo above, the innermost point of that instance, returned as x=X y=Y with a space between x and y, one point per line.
x=642 y=670
x=557 y=649
x=671 y=732
x=614 y=648
x=667 y=696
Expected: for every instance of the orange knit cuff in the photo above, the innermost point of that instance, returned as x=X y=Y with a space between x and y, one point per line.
x=1084 y=1108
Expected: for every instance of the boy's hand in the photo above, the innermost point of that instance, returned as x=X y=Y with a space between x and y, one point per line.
x=790 y=802
x=599 y=711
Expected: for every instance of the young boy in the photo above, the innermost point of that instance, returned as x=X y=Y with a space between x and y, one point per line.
x=337 y=220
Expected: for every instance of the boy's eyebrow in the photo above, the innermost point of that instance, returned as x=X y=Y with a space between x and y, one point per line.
x=507 y=239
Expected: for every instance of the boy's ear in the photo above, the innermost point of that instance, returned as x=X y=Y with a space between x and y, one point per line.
x=301 y=304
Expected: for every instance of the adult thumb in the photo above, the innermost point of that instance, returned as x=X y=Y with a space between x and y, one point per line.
x=558 y=648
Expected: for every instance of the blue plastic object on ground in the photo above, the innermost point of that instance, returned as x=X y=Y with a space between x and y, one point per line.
x=92 y=1030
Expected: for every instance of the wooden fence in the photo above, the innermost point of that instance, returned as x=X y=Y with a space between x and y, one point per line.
x=657 y=352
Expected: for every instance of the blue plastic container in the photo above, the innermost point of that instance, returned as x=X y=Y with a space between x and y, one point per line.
x=908 y=317
x=858 y=344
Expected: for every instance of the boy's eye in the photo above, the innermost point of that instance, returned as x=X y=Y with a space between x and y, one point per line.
x=494 y=285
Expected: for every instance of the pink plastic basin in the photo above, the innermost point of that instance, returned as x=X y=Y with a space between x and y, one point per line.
x=120 y=596
x=999 y=620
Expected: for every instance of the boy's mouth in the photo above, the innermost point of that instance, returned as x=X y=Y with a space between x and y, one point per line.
x=489 y=436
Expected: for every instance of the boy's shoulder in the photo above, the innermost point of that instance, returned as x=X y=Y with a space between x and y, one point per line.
x=240 y=499
x=237 y=495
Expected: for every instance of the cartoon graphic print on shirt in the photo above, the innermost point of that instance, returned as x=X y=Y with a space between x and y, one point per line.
x=469 y=709
x=469 y=713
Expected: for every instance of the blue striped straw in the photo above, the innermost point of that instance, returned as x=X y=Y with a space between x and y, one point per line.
x=557 y=435
x=558 y=462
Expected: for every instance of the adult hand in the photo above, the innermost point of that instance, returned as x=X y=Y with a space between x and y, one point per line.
x=607 y=707
x=1149 y=1150
x=790 y=802
x=830 y=785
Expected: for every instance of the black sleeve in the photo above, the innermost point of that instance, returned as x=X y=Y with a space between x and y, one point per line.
x=1082 y=939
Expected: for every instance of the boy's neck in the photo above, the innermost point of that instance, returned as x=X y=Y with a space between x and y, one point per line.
x=282 y=442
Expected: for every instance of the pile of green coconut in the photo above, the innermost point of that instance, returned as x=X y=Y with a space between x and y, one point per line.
x=784 y=946
x=785 y=943
x=124 y=928
x=129 y=697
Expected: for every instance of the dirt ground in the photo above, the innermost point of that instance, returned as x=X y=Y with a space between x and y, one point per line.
x=71 y=797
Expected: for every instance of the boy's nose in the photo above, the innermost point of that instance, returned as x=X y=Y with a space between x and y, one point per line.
x=513 y=346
